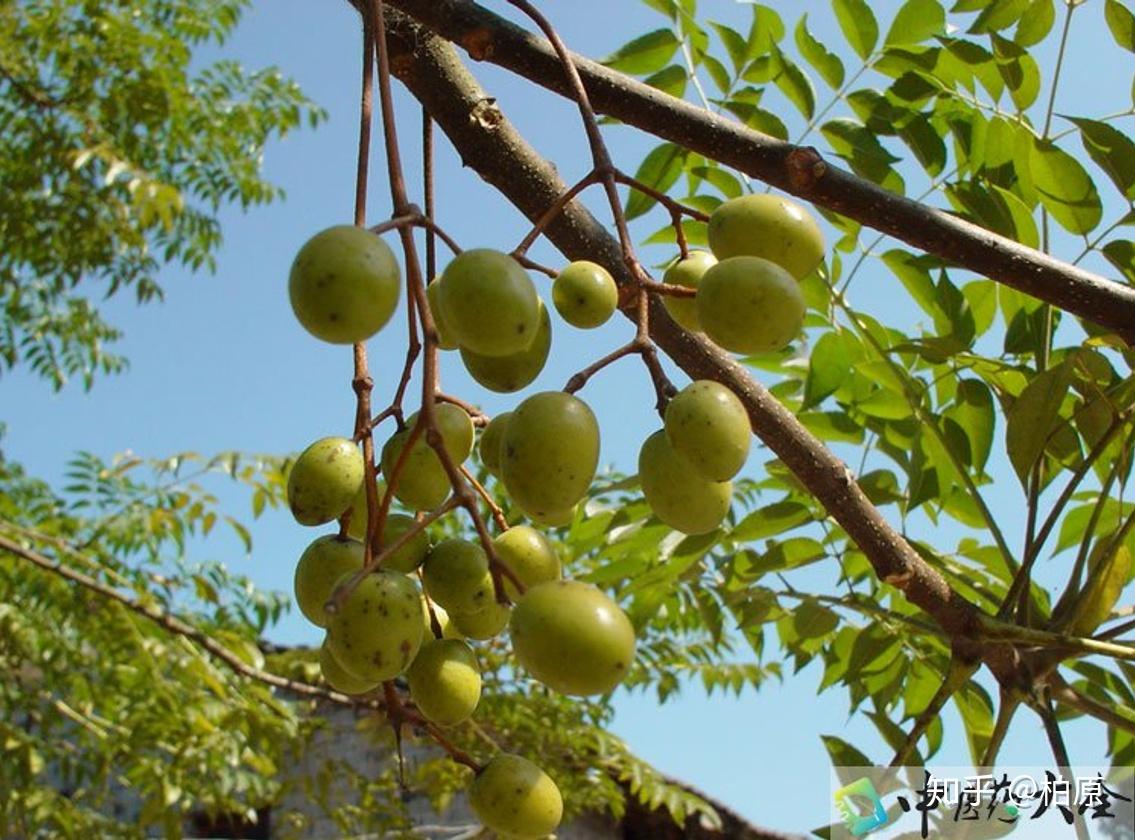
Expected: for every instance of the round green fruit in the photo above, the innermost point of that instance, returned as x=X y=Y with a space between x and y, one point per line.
x=324 y=480
x=506 y=374
x=491 y=442
x=422 y=484
x=529 y=555
x=376 y=634
x=707 y=426
x=515 y=798
x=769 y=227
x=489 y=303
x=448 y=631
x=750 y=305
x=344 y=284
x=550 y=452
x=445 y=681
x=321 y=566
x=483 y=624
x=358 y=526
x=413 y=553
x=455 y=427
x=677 y=494
x=585 y=294
x=688 y=273
x=572 y=637
x=456 y=574
x=336 y=676
x=445 y=339
x=554 y=518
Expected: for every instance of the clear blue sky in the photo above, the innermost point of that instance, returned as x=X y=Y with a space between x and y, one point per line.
x=222 y=364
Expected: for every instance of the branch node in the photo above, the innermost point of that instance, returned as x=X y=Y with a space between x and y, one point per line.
x=805 y=168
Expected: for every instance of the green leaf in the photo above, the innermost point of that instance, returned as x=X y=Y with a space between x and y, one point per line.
x=1036 y=23
x=660 y=169
x=648 y=53
x=974 y=413
x=796 y=86
x=828 y=366
x=671 y=80
x=1121 y=254
x=998 y=15
x=718 y=73
x=863 y=152
x=1032 y=418
x=812 y=619
x=771 y=520
x=844 y=754
x=735 y=44
x=917 y=21
x=1121 y=23
x=766 y=31
x=1065 y=188
x=1112 y=150
x=825 y=62
x=858 y=24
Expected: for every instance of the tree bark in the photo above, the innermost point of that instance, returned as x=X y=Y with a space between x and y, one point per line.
x=797 y=170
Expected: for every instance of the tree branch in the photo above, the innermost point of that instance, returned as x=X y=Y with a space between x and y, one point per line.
x=794 y=169
x=483 y=137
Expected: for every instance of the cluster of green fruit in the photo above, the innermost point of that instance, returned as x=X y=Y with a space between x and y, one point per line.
x=567 y=634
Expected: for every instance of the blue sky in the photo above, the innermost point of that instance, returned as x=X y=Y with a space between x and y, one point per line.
x=222 y=364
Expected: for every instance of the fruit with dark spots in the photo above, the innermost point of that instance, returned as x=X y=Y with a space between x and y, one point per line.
x=572 y=637
x=456 y=575
x=515 y=798
x=677 y=494
x=585 y=294
x=530 y=556
x=550 y=452
x=489 y=303
x=412 y=554
x=708 y=427
x=506 y=374
x=338 y=677
x=770 y=227
x=344 y=284
x=321 y=566
x=491 y=442
x=687 y=272
x=324 y=480
x=379 y=628
x=445 y=681
x=750 y=305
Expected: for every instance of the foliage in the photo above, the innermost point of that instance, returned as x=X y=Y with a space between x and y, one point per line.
x=989 y=389
x=117 y=150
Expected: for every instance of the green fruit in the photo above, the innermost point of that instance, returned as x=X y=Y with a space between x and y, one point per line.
x=676 y=493
x=489 y=303
x=358 y=526
x=515 y=798
x=445 y=681
x=324 y=480
x=378 y=630
x=707 y=426
x=344 y=284
x=448 y=631
x=529 y=555
x=769 y=227
x=491 y=442
x=484 y=624
x=750 y=305
x=456 y=574
x=455 y=427
x=412 y=554
x=505 y=374
x=554 y=518
x=572 y=637
x=687 y=272
x=336 y=676
x=585 y=294
x=321 y=566
x=422 y=483
x=550 y=452
x=445 y=339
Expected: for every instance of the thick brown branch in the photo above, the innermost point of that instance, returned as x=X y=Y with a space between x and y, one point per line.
x=432 y=71
x=797 y=170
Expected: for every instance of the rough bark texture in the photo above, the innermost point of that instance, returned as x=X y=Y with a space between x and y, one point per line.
x=488 y=143
x=798 y=170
